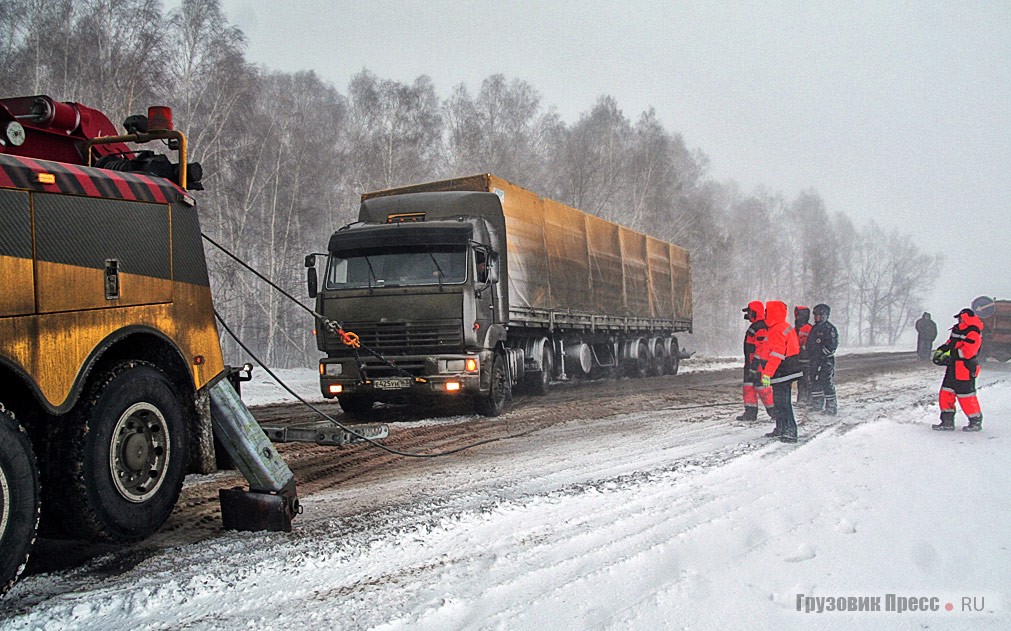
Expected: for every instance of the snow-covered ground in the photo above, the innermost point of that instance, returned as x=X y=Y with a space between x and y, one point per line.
x=683 y=523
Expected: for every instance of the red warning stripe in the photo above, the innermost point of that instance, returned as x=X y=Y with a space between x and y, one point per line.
x=20 y=172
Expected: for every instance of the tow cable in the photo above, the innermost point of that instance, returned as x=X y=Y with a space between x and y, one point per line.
x=350 y=339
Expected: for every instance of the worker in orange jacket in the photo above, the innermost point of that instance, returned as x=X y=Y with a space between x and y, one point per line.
x=753 y=389
x=959 y=355
x=780 y=367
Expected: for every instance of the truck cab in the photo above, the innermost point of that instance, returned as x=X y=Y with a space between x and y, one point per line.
x=419 y=282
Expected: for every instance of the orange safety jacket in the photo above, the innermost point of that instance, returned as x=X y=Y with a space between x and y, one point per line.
x=964 y=343
x=781 y=350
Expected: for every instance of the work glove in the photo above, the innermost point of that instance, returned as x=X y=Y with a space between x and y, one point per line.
x=941 y=357
x=766 y=381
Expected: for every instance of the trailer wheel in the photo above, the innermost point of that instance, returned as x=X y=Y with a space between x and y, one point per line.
x=19 y=500
x=493 y=403
x=675 y=356
x=356 y=404
x=659 y=363
x=1002 y=354
x=122 y=456
x=639 y=363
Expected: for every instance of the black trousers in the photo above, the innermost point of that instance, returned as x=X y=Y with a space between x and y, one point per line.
x=823 y=385
x=782 y=396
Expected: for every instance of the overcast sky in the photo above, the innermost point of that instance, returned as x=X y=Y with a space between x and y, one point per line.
x=896 y=111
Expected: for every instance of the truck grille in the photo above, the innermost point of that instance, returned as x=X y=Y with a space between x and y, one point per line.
x=410 y=338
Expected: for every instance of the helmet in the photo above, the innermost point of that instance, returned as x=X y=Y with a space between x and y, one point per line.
x=822 y=310
x=968 y=312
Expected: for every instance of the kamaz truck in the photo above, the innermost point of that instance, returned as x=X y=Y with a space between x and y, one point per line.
x=471 y=286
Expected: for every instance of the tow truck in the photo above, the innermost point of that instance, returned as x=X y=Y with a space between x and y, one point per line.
x=113 y=382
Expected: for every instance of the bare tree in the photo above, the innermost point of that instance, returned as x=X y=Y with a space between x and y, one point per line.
x=396 y=130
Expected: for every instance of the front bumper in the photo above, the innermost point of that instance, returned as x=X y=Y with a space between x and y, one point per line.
x=425 y=377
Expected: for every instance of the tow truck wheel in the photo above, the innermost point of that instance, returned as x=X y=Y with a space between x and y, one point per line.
x=493 y=403
x=123 y=456
x=356 y=404
x=19 y=500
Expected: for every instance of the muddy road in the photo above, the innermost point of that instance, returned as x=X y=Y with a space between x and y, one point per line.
x=691 y=397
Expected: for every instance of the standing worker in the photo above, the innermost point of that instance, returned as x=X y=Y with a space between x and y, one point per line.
x=822 y=343
x=959 y=355
x=802 y=323
x=780 y=367
x=926 y=331
x=753 y=389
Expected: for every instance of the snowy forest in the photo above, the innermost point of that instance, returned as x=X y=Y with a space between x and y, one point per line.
x=286 y=156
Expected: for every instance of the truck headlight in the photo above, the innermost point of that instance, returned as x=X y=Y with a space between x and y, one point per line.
x=468 y=364
x=332 y=370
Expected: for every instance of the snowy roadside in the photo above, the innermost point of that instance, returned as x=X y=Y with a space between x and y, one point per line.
x=684 y=523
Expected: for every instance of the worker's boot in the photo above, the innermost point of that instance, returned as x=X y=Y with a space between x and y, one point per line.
x=975 y=424
x=779 y=427
x=831 y=406
x=947 y=423
x=750 y=414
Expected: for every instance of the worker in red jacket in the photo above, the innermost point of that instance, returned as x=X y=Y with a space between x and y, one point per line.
x=780 y=359
x=959 y=355
x=802 y=323
x=753 y=389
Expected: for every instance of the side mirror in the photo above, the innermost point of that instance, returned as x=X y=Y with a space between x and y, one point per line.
x=493 y=268
x=310 y=260
x=312 y=281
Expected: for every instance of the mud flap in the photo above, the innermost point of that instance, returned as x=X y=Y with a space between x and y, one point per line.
x=272 y=501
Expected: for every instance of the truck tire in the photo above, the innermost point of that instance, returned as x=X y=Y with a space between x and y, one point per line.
x=659 y=363
x=494 y=402
x=538 y=383
x=19 y=500
x=639 y=363
x=675 y=357
x=356 y=404
x=122 y=456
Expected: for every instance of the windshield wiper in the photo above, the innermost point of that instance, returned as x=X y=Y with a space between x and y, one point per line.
x=437 y=267
x=372 y=272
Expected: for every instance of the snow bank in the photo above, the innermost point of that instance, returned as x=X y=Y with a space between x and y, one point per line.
x=690 y=523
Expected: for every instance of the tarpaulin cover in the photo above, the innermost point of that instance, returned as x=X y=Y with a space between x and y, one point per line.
x=563 y=259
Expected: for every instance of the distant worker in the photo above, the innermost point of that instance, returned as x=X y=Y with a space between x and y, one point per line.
x=926 y=332
x=802 y=323
x=780 y=367
x=959 y=355
x=753 y=389
x=822 y=343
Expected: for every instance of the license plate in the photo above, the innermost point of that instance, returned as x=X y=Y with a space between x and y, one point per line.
x=393 y=383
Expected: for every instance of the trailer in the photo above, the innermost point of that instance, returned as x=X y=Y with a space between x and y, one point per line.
x=471 y=286
x=996 y=335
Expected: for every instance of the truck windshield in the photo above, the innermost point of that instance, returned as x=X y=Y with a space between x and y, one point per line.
x=426 y=265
